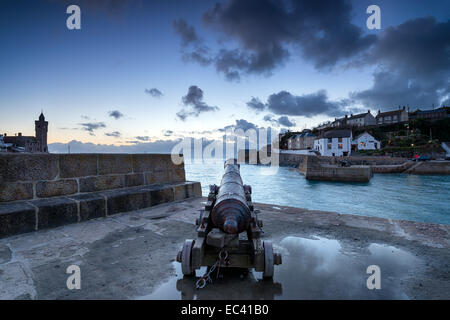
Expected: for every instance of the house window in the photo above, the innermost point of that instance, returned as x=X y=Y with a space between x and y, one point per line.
x=329 y=147
x=363 y=144
x=340 y=146
x=329 y=140
x=339 y=139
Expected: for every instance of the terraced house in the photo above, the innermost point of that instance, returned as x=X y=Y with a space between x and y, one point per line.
x=390 y=117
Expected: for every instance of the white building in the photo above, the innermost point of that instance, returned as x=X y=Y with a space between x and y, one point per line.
x=365 y=141
x=335 y=143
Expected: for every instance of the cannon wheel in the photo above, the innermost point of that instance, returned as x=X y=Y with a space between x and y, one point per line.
x=186 y=258
x=268 y=259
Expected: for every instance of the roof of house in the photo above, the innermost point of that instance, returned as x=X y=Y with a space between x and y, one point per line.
x=19 y=140
x=359 y=135
x=301 y=135
x=360 y=115
x=339 y=120
x=338 y=134
x=390 y=113
x=439 y=110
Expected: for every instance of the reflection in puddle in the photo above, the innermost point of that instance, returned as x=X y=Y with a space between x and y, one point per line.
x=316 y=268
x=324 y=269
x=232 y=285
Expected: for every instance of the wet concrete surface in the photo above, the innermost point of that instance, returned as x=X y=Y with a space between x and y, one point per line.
x=325 y=256
x=316 y=268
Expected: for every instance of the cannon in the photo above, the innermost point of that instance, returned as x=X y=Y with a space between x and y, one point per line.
x=228 y=231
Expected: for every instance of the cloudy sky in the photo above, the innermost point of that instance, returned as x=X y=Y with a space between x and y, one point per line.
x=146 y=73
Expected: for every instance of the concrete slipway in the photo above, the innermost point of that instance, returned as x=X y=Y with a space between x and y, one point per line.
x=325 y=256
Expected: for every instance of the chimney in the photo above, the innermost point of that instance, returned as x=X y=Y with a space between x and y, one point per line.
x=368 y=111
x=20 y=134
x=351 y=115
x=4 y=135
x=379 y=111
x=404 y=107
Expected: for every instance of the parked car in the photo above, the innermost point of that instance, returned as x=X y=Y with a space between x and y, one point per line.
x=421 y=158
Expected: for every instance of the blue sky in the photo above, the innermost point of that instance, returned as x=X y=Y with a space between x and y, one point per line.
x=125 y=47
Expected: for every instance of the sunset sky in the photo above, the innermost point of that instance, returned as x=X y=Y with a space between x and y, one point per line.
x=146 y=73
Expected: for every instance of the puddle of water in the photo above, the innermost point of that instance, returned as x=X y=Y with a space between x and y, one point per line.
x=316 y=268
x=324 y=269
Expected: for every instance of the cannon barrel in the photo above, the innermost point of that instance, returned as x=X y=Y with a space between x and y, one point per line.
x=231 y=212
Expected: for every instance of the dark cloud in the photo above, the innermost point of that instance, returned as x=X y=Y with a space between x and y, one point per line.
x=418 y=47
x=201 y=55
x=414 y=65
x=392 y=89
x=233 y=62
x=256 y=104
x=116 y=114
x=413 y=68
x=168 y=133
x=244 y=125
x=115 y=134
x=241 y=124
x=268 y=118
x=186 y=32
x=92 y=126
x=268 y=31
x=154 y=92
x=281 y=121
x=193 y=48
x=183 y=114
x=307 y=105
x=286 y=122
x=143 y=138
x=194 y=100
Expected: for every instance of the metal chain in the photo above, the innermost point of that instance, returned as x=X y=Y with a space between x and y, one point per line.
x=201 y=283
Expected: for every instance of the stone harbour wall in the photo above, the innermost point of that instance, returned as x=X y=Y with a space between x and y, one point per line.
x=313 y=169
x=297 y=159
x=34 y=176
x=39 y=191
x=431 y=167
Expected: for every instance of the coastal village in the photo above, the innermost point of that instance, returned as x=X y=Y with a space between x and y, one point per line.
x=395 y=133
